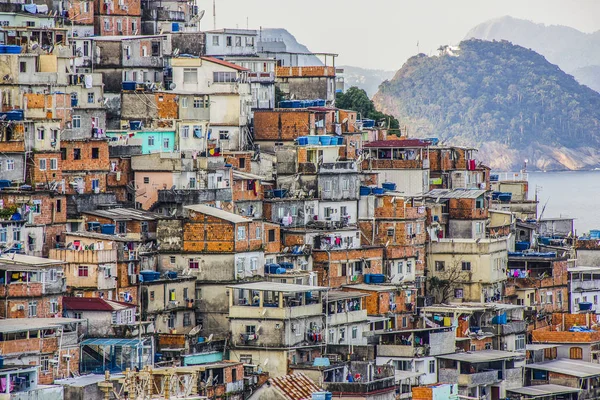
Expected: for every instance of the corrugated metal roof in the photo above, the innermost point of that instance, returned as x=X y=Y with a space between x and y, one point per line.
x=28 y=260
x=544 y=390
x=580 y=369
x=455 y=193
x=397 y=143
x=295 y=386
x=126 y=214
x=218 y=213
x=113 y=342
x=25 y=324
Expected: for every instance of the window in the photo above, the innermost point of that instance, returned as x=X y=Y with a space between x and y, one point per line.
x=466 y=265
x=120 y=26
x=193 y=264
x=242 y=163
x=595 y=298
x=185 y=132
x=408 y=267
x=58 y=205
x=520 y=343
x=224 y=77
x=249 y=41
x=53 y=164
x=172 y=295
x=576 y=353
x=328 y=186
x=404 y=320
x=215 y=40
x=152 y=295
x=400 y=266
x=253 y=264
x=76 y=154
x=32 y=308
x=257 y=233
x=198 y=102
x=45 y=360
x=418 y=228
x=95 y=184
x=241 y=233
x=91 y=97
x=150 y=140
x=172 y=320
x=42 y=164
x=238 y=41
x=488 y=346
x=228 y=41
x=3 y=234
x=76 y=121
x=134 y=27
x=271 y=235
x=354 y=332
x=184 y=102
x=82 y=270
x=440 y=265
x=432 y=367
x=458 y=293
x=121 y=227
x=345 y=184
x=63 y=153
x=478 y=227
x=10 y=165
x=95 y=153
x=23 y=67
x=17 y=234
x=390 y=232
x=342 y=334
x=190 y=75
x=166 y=142
x=187 y=321
x=41 y=133
x=155 y=49
x=107 y=272
x=192 y=184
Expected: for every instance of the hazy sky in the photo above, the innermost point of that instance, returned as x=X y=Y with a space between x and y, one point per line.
x=382 y=34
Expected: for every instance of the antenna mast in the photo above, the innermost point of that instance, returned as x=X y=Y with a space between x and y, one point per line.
x=214 y=15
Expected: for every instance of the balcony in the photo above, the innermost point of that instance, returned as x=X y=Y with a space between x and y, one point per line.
x=194 y=196
x=347 y=317
x=360 y=387
x=476 y=379
x=261 y=77
x=84 y=256
x=511 y=327
x=300 y=72
x=251 y=312
x=395 y=350
x=337 y=167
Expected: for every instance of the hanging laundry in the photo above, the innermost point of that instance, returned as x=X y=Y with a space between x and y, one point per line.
x=42 y=8
x=88 y=81
x=30 y=8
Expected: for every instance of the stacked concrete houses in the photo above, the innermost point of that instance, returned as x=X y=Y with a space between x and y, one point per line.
x=180 y=204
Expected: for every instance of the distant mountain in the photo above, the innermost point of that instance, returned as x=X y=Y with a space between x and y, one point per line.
x=366 y=79
x=570 y=49
x=279 y=38
x=589 y=76
x=504 y=99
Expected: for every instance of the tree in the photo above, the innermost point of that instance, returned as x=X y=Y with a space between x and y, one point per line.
x=356 y=99
x=445 y=279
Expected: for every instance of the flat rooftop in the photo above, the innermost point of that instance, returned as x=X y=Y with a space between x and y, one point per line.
x=30 y=324
x=28 y=260
x=577 y=368
x=544 y=390
x=278 y=287
x=483 y=356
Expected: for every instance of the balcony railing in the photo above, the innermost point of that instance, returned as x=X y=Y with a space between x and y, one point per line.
x=340 y=166
x=360 y=387
x=511 y=327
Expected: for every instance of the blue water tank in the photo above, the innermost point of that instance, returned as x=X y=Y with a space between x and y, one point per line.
x=377 y=278
x=174 y=27
x=13 y=49
x=367 y=278
x=365 y=190
x=128 y=85
x=280 y=271
x=389 y=186
x=171 y=274
x=378 y=190
x=108 y=229
x=4 y=183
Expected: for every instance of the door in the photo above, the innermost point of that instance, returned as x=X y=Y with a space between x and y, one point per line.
x=495 y=393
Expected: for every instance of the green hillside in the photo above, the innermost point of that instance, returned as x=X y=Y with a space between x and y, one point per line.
x=495 y=92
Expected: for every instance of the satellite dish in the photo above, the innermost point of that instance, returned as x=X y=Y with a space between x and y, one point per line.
x=201 y=14
x=176 y=52
x=34 y=46
x=210 y=338
x=172 y=85
x=265 y=362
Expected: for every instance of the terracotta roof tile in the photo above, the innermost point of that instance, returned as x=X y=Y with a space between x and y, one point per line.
x=295 y=386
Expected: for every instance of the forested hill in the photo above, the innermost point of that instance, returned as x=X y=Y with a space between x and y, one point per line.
x=505 y=99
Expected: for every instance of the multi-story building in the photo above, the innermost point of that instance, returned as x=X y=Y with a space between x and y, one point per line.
x=117 y=18
x=31 y=287
x=276 y=324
